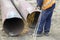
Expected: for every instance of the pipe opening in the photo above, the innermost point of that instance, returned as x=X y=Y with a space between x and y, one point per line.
x=33 y=18
x=13 y=25
x=36 y=16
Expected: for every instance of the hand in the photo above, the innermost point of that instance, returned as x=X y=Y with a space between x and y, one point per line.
x=37 y=7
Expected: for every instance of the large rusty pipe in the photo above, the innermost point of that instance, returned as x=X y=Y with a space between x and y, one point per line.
x=27 y=11
x=12 y=21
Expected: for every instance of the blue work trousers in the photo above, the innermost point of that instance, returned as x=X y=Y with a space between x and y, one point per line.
x=45 y=22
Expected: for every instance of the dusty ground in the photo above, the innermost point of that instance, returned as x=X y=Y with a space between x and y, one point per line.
x=54 y=34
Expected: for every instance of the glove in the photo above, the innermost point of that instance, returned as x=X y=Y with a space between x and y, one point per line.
x=37 y=7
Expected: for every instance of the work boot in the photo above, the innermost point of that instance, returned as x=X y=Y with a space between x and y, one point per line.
x=39 y=35
x=46 y=34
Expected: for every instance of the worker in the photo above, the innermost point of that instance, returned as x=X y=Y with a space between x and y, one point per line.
x=47 y=7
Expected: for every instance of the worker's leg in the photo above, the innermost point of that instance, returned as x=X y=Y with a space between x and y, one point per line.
x=48 y=21
x=42 y=21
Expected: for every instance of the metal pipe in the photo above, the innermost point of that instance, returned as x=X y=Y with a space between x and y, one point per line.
x=28 y=12
x=12 y=21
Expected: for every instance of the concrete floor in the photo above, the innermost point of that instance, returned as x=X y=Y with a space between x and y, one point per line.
x=54 y=34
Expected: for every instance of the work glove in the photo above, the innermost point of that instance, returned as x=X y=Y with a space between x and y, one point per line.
x=38 y=7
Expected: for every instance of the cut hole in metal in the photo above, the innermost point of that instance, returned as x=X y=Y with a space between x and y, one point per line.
x=33 y=18
x=13 y=25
